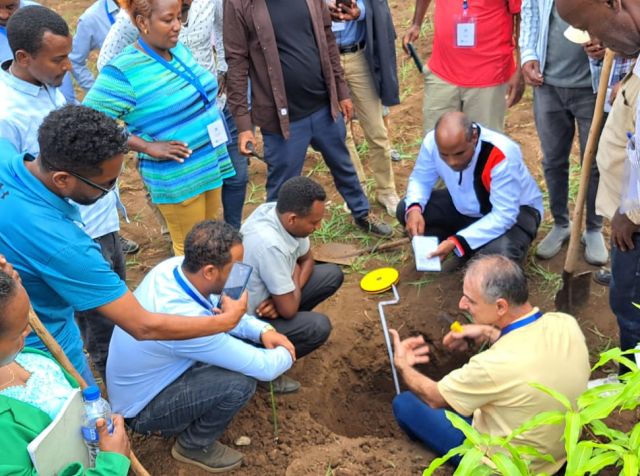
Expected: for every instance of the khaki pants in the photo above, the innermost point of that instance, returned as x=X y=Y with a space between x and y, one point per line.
x=486 y=106
x=369 y=110
x=181 y=217
x=612 y=148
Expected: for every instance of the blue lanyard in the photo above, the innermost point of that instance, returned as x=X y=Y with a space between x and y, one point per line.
x=521 y=323
x=109 y=15
x=185 y=287
x=188 y=75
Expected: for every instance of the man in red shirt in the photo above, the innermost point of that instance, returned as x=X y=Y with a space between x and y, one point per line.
x=472 y=66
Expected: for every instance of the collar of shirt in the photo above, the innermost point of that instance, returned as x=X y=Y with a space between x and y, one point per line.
x=212 y=299
x=533 y=311
x=19 y=84
x=287 y=239
x=112 y=6
x=37 y=188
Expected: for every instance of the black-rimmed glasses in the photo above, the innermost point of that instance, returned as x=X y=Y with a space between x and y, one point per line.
x=93 y=184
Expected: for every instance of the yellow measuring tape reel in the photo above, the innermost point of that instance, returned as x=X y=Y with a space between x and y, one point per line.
x=379 y=280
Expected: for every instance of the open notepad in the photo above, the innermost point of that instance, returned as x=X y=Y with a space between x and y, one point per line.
x=423 y=246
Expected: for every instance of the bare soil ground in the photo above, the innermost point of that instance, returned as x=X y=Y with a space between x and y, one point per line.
x=340 y=422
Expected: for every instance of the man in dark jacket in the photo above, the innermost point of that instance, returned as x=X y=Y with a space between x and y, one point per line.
x=365 y=35
x=298 y=93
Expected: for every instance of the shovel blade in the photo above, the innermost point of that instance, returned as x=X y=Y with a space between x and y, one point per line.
x=574 y=292
x=338 y=253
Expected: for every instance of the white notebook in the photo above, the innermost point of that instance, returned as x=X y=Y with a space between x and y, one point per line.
x=423 y=246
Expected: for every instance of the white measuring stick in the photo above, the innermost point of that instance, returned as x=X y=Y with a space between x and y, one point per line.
x=387 y=339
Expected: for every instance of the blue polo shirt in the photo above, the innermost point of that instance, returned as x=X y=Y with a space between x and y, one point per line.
x=61 y=268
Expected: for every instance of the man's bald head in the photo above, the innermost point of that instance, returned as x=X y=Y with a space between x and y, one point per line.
x=615 y=22
x=456 y=137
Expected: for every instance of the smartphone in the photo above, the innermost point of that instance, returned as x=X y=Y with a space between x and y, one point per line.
x=416 y=58
x=237 y=281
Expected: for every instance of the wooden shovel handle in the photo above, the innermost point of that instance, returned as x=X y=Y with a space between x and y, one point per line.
x=590 y=151
x=57 y=352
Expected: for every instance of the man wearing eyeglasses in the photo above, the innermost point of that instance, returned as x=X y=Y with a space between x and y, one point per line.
x=80 y=159
x=29 y=90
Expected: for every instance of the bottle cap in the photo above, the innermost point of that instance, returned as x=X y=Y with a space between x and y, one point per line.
x=91 y=393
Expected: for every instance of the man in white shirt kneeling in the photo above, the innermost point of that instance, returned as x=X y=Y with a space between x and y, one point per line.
x=193 y=388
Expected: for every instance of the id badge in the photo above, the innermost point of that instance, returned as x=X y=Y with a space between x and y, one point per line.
x=465 y=32
x=217 y=133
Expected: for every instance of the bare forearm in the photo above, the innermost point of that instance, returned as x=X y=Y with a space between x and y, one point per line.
x=306 y=270
x=421 y=385
x=137 y=144
x=420 y=11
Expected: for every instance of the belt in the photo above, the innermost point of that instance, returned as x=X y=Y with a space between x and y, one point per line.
x=353 y=48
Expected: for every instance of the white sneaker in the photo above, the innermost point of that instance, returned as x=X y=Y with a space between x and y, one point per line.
x=595 y=250
x=552 y=243
x=390 y=202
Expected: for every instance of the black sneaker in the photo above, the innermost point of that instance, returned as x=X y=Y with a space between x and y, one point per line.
x=371 y=224
x=128 y=247
x=602 y=276
x=217 y=458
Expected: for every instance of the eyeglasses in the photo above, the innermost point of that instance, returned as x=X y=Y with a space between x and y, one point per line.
x=93 y=184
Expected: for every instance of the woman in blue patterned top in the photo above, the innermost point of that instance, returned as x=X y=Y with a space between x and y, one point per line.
x=168 y=101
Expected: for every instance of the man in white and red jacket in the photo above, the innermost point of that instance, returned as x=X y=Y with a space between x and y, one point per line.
x=491 y=203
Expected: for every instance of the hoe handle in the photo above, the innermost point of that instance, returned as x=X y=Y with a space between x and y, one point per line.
x=590 y=151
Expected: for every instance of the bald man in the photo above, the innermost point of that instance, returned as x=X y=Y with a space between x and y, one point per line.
x=491 y=203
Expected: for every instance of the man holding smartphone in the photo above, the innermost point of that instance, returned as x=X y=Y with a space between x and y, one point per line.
x=286 y=284
x=193 y=388
x=371 y=74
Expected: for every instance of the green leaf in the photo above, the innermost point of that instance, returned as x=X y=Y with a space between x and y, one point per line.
x=506 y=466
x=555 y=417
x=599 y=428
x=593 y=395
x=436 y=463
x=630 y=465
x=469 y=432
x=572 y=431
x=530 y=451
x=601 y=461
x=468 y=462
x=483 y=470
x=555 y=394
x=600 y=409
x=517 y=459
x=619 y=450
x=634 y=438
x=616 y=355
x=578 y=459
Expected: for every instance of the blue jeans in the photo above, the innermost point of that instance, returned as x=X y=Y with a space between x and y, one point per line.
x=624 y=290
x=234 y=189
x=285 y=157
x=197 y=406
x=426 y=424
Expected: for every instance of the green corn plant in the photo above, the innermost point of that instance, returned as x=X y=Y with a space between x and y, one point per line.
x=590 y=444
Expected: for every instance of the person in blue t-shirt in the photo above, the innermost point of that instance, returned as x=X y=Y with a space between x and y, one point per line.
x=62 y=269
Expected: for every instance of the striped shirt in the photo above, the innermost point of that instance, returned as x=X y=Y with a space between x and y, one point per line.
x=158 y=105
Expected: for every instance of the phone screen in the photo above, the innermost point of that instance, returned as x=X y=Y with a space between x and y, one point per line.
x=237 y=280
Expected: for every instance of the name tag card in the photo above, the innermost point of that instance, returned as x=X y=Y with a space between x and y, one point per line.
x=465 y=32
x=217 y=133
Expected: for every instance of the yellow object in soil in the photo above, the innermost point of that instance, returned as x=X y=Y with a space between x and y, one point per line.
x=379 y=280
x=456 y=327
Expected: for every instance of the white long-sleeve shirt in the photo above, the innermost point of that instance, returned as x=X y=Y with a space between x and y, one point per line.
x=138 y=370
x=493 y=187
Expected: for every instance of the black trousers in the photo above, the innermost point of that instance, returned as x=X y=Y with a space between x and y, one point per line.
x=308 y=330
x=443 y=220
x=96 y=329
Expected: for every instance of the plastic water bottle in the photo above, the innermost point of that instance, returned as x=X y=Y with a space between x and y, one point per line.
x=95 y=407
